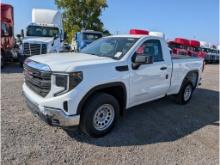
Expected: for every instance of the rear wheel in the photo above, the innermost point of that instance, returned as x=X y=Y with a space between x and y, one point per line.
x=185 y=93
x=99 y=115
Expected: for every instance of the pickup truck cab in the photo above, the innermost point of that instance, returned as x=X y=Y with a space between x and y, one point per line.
x=93 y=87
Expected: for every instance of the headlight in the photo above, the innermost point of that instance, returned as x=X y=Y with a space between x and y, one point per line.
x=67 y=81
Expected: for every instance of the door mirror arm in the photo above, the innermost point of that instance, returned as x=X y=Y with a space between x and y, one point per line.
x=135 y=66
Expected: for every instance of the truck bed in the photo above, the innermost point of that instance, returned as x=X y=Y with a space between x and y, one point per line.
x=182 y=57
x=181 y=66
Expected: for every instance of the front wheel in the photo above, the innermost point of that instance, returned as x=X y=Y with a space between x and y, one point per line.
x=99 y=115
x=185 y=93
x=21 y=59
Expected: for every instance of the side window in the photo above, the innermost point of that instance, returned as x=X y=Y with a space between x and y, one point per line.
x=4 y=31
x=151 y=47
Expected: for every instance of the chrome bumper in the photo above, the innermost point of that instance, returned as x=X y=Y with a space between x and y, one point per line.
x=53 y=116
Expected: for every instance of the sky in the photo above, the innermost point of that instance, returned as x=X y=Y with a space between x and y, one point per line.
x=191 y=19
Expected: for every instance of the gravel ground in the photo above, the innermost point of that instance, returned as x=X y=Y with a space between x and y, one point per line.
x=160 y=132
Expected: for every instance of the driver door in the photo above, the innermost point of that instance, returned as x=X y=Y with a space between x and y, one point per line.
x=149 y=81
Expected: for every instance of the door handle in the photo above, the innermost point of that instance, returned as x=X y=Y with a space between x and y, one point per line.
x=163 y=68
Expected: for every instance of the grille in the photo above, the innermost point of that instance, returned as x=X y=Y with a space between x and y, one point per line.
x=38 y=81
x=34 y=49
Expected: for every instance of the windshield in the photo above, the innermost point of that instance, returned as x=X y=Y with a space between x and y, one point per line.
x=205 y=50
x=195 y=49
x=209 y=50
x=214 y=51
x=42 y=31
x=91 y=36
x=114 y=47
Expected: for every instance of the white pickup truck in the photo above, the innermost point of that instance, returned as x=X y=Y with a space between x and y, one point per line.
x=92 y=88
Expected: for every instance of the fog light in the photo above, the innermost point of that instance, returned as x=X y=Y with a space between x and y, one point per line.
x=55 y=122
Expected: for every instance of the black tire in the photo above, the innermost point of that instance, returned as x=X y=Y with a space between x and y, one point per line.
x=91 y=107
x=2 y=60
x=21 y=64
x=180 y=99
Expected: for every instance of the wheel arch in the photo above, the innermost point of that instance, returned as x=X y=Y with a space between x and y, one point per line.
x=116 y=89
x=192 y=76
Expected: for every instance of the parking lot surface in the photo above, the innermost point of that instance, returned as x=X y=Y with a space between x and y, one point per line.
x=159 y=132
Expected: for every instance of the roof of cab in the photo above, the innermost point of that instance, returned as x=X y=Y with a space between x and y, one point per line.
x=133 y=36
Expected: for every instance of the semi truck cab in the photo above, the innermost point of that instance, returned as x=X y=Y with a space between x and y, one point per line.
x=44 y=35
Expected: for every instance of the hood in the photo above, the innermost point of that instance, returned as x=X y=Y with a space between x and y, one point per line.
x=30 y=39
x=62 y=62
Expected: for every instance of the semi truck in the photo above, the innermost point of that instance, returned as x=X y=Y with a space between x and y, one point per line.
x=93 y=87
x=83 y=38
x=8 y=42
x=212 y=54
x=44 y=35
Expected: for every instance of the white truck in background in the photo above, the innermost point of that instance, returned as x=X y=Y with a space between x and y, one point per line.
x=91 y=88
x=212 y=54
x=44 y=35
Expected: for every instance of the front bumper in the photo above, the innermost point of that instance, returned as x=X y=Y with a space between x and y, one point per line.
x=53 y=116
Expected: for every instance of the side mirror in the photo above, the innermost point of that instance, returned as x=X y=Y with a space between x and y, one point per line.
x=22 y=33
x=55 y=36
x=65 y=36
x=141 y=59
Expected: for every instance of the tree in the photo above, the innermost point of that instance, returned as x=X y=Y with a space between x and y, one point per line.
x=106 y=33
x=81 y=14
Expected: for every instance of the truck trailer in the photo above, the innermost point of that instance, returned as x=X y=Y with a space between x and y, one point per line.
x=7 y=34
